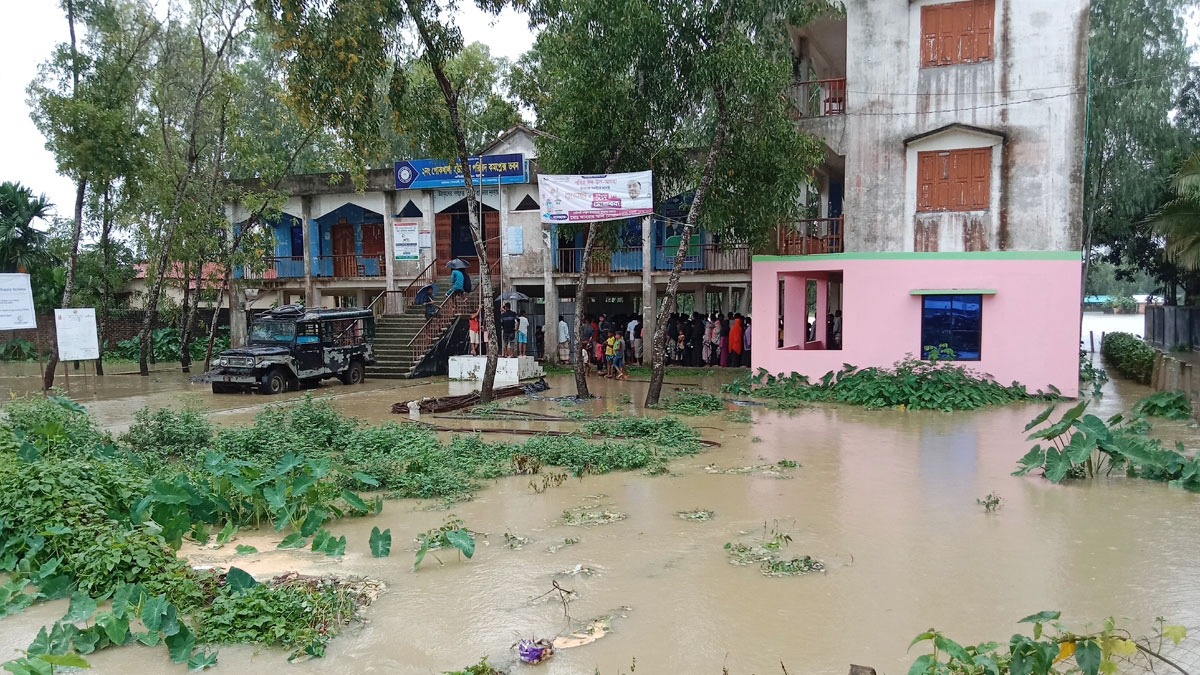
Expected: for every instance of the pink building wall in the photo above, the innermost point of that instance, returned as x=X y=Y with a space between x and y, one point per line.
x=1030 y=326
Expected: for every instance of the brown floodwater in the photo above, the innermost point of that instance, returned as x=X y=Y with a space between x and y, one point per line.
x=886 y=498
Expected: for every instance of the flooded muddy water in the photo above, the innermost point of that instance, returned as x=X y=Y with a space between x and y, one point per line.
x=886 y=498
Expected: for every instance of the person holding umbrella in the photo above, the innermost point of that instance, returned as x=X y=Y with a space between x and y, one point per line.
x=424 y=296
x=458 y=278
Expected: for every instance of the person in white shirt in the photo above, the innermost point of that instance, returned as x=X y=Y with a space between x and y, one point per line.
x=522 y=334
x=564 y=341
x=632 y=342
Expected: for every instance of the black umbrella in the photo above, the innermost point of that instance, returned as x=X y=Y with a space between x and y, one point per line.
x=512 y=295
x=425 y=294
x=457 y=264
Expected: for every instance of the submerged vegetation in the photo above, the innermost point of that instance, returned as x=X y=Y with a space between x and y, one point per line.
x=933 y=384
x=1054 y=648
x=86 y=515
x=1081 y=445
x=767 y=551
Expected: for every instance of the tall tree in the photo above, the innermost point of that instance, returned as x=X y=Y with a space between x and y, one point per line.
x=1139 y=59
x=735 y=64
x=1178 y=222
x=606 y=99
x=338 y=53
x=84 y=102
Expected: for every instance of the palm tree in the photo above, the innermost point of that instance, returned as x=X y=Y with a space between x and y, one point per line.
x=21 y=245
x=1179 y=219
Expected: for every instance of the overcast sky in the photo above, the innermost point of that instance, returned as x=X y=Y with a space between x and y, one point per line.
x=31 y=29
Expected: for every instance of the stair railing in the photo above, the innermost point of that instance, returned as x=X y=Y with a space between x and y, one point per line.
x=382 y=304
x=435 y=325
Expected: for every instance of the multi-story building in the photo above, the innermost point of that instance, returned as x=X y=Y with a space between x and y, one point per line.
x=949 y=202
x=377 y=246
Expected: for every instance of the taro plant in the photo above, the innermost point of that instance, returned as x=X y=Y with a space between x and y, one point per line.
x=450 y=534
x=1172 y=405
x=1053 y=649
x=1091 y=375
x=990 y=502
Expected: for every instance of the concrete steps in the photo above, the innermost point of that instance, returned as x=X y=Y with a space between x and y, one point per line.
x=394 y=359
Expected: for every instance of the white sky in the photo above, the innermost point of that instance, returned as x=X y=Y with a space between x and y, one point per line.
x=32 y=28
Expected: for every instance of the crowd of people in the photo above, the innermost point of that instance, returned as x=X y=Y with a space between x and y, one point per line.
x=608 y=343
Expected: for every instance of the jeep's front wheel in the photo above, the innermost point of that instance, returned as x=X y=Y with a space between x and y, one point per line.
x=354 y=374
x=273 y=382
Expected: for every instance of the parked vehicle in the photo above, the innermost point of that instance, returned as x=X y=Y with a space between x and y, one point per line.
x=291 y=346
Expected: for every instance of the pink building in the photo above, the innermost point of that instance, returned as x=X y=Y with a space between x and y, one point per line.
x=948 y=209
x=1011 y=314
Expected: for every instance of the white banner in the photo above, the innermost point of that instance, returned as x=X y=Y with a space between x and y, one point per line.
x=404 y=241
x=16 y=302
x=77 y=339
x=587 y=198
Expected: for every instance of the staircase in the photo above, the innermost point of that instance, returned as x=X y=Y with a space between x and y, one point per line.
x=394 y=357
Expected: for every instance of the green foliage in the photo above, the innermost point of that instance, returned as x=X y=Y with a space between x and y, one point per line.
x=1129 y=355
x=22 y=246
x=18 y=349
x=167 y=434
x=1080 y=445
x=167 y=345
x=299 y=614
x=768 y=553
x=57 y=425
x=380 y=542
x=990 y=502
x=1169 y=404
x=1053 y=649
x=693 y=403
x=1090 y=374
x=450 y=534
x=481 y=668
x=912 y=383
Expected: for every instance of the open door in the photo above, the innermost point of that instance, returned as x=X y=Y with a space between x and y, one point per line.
x=345 y=264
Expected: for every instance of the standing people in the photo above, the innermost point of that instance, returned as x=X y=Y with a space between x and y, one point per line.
x=638 y=350
x=598 y=352
x=564 y=340
x=746 y=345
x=837 y=329
x=706 y=348
x=735 y=341
x=715 y=356
x=508 y=329
x=585 y=343
x=618 y=362
x=522 y=334
x=473 y=331
x=631 y=330
x=723 y=345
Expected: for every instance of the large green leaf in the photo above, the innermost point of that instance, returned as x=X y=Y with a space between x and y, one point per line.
x=70 y=659
x=293 y=540
x=275 y=495
x=312 y=521
x=202 y=661
x=953 y=649
x=381 y=542
x=1088 y=656
x=117 y=628
x=1042 y=417
x=239 y=580
x=1034 y=459
x=1057 y=465
x=923 y=664
x=1079 y=449
x=462 y=540
x=1041 y=617
x=354 y=500
x=180 y=644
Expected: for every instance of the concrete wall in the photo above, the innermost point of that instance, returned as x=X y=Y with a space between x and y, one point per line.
x=1031 y=92
x=1030 y=325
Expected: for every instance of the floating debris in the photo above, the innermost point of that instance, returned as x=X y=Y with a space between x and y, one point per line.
x=580 y=570
x=534 y=651
x=515 y=541
x=695 y=515
x=770 y=470
x=595 y=630
x=582 y=516
x=565 y=543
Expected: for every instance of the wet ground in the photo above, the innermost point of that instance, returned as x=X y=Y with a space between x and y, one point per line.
x=885 y=498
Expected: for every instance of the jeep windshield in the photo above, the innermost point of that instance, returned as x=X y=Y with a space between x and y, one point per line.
x=272 y=332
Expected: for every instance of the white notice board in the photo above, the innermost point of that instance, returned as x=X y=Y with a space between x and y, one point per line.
x=404 y=241
x=76 y=328
x=516 y=240
x=16 y=302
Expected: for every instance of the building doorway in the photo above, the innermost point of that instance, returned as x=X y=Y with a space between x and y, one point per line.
x=452 y=232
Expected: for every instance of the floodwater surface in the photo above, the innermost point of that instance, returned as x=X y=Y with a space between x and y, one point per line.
x=886 y=498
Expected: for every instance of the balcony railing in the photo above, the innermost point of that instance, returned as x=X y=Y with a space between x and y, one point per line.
x=819 y=98
x=812 y=235
x=347 y=266
x=628 y=260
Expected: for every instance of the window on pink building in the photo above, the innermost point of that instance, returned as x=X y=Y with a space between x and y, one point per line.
x=954 y=321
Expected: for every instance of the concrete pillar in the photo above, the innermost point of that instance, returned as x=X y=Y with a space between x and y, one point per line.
x=550 y=293
x=649 y=292
x=727 y=300
x=795 y=325
x=238 y=333
x=429 y=219
x=822 y=311
x=310 y=296
x=1156 y=371
x=702 y=299
x=744 y=301
x=389 y=239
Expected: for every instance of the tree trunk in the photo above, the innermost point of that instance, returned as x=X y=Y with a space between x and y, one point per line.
x=189 y=320
x=436 y=63
x=668 y=305
x=69 y=285
x=212 y=326
x=105 y=291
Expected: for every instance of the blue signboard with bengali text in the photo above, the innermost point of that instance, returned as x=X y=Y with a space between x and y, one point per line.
x=440 y=173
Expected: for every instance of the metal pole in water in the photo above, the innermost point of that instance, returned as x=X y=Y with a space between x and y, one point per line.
x=1092 y=340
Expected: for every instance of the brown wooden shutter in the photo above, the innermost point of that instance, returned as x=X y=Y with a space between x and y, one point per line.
x=441 y=244
x=925 y=161
x=954 y=180
x=985 y=14
x=957 y=32
x=980 y=177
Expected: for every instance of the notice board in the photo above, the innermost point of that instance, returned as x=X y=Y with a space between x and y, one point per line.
x=77 y=339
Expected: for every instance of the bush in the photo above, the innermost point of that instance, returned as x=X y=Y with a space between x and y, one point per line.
x=1129 y=356
x=18 y=349
x=913 y=383
x=1169 y=404
x=312 y=427
x=167 y=434
x=62 y=426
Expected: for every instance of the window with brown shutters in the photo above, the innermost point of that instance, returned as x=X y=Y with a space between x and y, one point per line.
x=954 y=180
x=957 y=32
